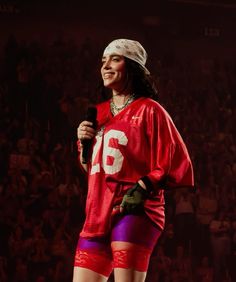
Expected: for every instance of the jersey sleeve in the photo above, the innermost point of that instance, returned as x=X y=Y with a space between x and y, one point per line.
x=171 y=164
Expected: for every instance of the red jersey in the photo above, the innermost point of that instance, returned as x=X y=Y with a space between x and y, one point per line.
x=141 y=140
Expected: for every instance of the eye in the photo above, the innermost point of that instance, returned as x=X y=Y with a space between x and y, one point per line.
x=116 y=58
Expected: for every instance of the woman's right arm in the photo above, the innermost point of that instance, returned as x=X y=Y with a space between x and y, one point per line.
x=85 y=132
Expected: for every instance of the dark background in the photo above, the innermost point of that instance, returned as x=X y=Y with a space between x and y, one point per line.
x=50 y=55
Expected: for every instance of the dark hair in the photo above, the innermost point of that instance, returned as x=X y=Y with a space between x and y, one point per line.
x=143 y=84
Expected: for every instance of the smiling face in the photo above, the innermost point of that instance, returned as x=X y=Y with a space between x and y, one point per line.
x=113 y=72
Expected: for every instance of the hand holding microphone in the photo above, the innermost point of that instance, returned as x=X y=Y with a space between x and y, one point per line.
x=86 y=132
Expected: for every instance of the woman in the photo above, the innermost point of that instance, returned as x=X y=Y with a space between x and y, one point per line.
x=136 y=153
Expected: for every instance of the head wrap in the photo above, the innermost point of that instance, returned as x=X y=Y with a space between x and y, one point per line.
x=130 y=49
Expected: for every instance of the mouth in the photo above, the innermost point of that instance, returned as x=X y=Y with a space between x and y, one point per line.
x=108 y=75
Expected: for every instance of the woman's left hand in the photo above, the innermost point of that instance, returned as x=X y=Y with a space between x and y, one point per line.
x=133 y=200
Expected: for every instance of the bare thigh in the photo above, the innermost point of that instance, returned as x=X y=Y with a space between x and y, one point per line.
x=84 y=275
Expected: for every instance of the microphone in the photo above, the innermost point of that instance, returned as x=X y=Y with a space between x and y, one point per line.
x=91 y=116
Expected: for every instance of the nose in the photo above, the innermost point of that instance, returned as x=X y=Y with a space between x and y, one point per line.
x=106 y=65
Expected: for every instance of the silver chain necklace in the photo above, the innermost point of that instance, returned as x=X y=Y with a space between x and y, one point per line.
x=115 y=109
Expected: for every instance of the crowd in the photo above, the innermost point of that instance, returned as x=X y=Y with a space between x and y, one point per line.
x=44 y=91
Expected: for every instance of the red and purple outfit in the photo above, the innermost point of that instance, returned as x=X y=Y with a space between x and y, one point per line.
x=140 y=141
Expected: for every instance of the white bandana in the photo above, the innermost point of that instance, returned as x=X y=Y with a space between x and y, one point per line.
x=128 y=48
